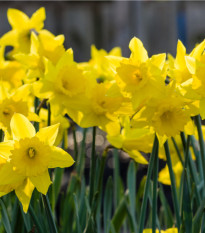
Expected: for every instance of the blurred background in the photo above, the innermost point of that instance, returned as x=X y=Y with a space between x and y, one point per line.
x=107 y=24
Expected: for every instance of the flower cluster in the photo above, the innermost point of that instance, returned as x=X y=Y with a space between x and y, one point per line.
x=131 y=99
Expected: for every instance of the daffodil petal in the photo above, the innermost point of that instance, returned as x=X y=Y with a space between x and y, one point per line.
x=5 y=149
x=21 y=127
x=37 y=18
x=41 y=182
x=8 y=175
x=137 y=156
x=138 y=50
x=17 y=18
x=24 y=192
x=60 y=158
x=48 y=134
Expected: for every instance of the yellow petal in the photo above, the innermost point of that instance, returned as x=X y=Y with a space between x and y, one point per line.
x=138 y=51
x=3 y=93
x=38 y=18
x=24 y=192
x=181 y=52
x=137 y=156
x=164 y=176
x=41 y=182
x=198 y=50
x=48 y=134
x=34 y=117
x=189 y=128
x=190 y=62
x=21 y=127
x=8 y=175
x=60 y=158
x=17 y=18
x=5 y=150
x=159 y=60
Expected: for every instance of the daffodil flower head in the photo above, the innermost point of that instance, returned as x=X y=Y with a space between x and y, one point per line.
x=30 y=156
x=45 y=44
x=139 y=75
x=100 y=66
x=170 y=230
x=29 y=159
x=22 y=26
x=14 y=101
x=11 y=72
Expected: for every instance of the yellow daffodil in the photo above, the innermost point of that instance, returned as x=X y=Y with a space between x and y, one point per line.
x=63 y=84
x=140 y=76
x=179 y=67
x=98 y=108
x=29 y=159
x=133 y=141
x=11 y=72
x=99 y=65
x=167 y=115
x=64 y=123
x=14 y=102
x=170 y=230
x=44 y=45
x=164 y=176
x=22 y=25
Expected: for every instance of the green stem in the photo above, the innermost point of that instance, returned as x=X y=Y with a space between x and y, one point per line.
x=81 y=158
x=191 y=164
x=75 y=142
x=155 y=183
x=147 y=184
x=35 y=219
x=49 y=115
x=173 y=184
x=198 y=157
x=49 y=214
x=202 y=147
x=1 y=135
x=116 y=178
x=36 y=103
x=92 y=167
x=177 y=150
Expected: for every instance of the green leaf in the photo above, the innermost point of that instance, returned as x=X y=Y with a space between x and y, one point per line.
x=79 y=230
x=131 y=183
x=108 y=204
x=26 y=219
x=116 y=178
x=35 y=220
x=166 y=209
x=198 y=216
x=5 y=218
x=58 y=174
x=187 y=211
x=120 y=214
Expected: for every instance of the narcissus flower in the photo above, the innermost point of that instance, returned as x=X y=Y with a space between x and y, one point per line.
x=99 y=65
x=64 y=124
x=29 y=159
x=11 y=72
x=14 y=102
x=140 y=76
x=170 y=230
x=133 y=141
x=44 y=45
x=22 y=25
x=167 y=115
x=179 y=67
x=63 y=84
